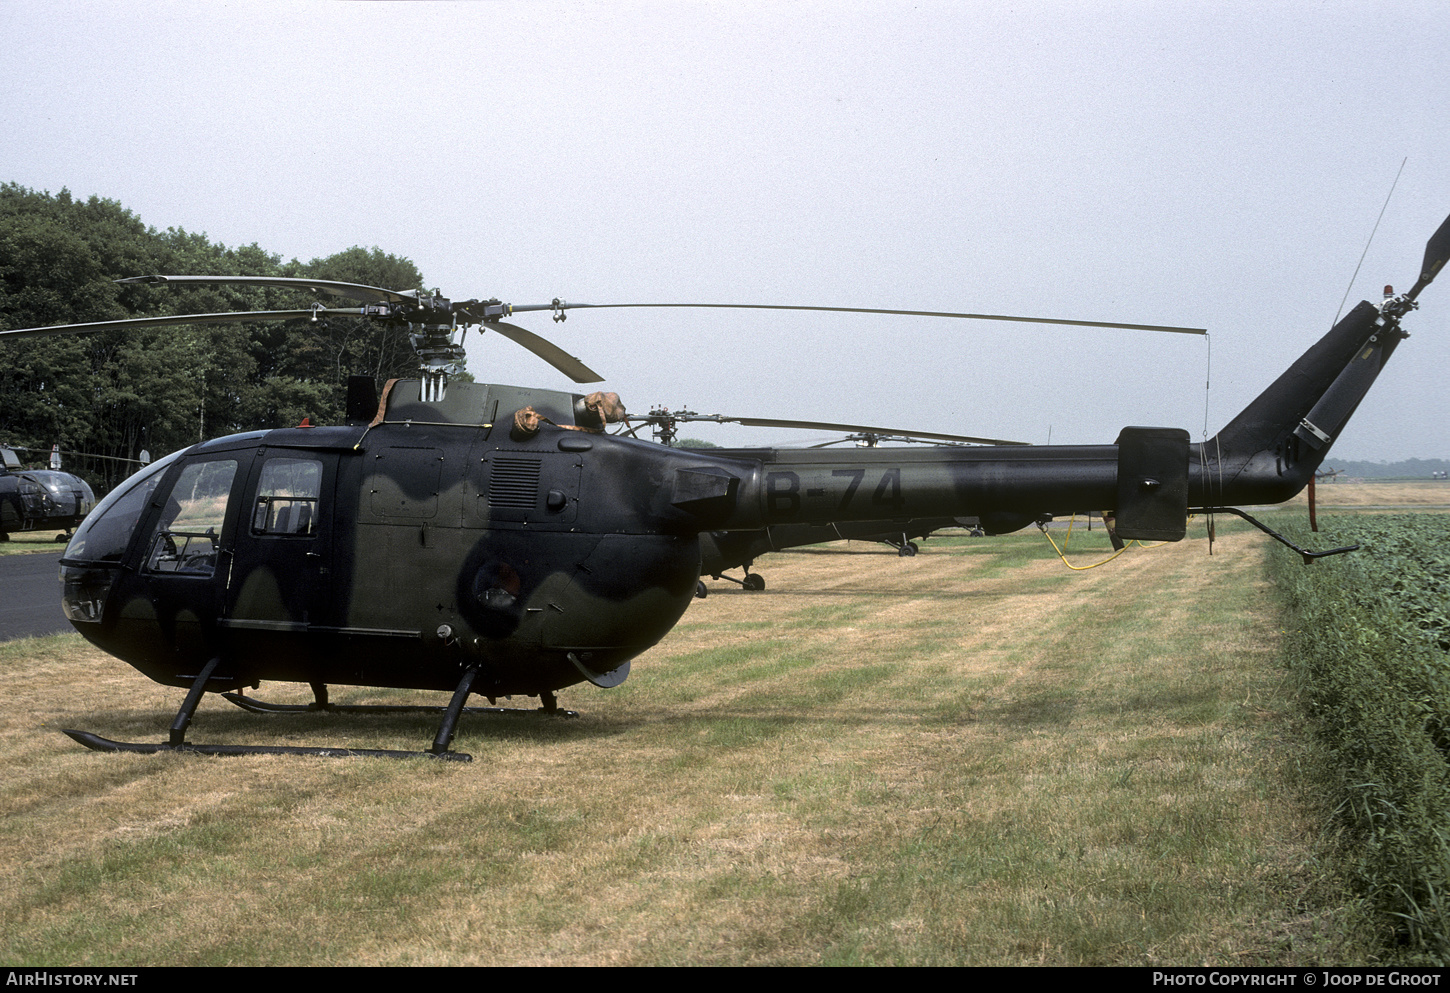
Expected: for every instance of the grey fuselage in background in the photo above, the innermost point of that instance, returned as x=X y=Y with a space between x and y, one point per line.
x=41 y=499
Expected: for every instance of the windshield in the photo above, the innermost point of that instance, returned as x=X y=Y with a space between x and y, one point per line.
x=106 y=532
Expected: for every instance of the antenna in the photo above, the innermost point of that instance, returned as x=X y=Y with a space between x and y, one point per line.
x=1368 y=243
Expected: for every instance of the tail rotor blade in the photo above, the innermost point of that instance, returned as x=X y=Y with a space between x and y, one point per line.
x=1437 y=252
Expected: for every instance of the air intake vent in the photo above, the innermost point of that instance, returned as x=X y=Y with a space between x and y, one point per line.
x=514 y=483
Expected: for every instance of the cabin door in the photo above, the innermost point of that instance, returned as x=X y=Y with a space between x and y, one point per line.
x=281 y=579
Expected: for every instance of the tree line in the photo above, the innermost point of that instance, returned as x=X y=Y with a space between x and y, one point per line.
x=1406 y=469
x=113 y=394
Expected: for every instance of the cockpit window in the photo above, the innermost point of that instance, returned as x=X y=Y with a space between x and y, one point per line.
x=189 y=531
x=199 y=499
x=104 y=535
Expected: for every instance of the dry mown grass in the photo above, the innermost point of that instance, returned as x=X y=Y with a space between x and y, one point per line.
x=973 y=756
x=1408 y=495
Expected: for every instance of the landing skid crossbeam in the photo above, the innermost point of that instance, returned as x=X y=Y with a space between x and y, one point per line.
x=321 y=706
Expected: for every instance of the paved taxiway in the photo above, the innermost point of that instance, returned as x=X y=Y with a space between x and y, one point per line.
x=30 y=596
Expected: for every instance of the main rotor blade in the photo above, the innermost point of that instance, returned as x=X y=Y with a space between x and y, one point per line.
x=876 y=310
x=874 y=440
x=238 y=317
x=548 y=351
x=79 y=455
x=771 y=422
x=352 y=291
x=766 y=422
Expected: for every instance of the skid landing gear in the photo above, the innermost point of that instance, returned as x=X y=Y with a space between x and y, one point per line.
x=439 y=750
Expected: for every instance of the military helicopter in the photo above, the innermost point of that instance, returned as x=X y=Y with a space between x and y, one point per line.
x=494 y=540
x=40 y=499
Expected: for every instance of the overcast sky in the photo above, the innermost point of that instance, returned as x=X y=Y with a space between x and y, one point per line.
x=1212 y=164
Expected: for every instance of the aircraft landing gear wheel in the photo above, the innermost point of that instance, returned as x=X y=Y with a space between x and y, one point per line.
x=907 y=550
x=755 y=581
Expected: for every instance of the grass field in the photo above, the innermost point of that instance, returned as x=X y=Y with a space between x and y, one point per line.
x=973 y=756
x=1404 y=494
x=31 y=541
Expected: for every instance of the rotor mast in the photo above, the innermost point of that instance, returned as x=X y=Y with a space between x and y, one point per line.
x=438 y=342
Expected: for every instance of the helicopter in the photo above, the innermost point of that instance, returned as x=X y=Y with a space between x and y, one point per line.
x=496 y=540
x=40 y=499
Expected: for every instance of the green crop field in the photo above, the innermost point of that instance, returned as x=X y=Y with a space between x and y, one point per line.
x=1372 y=650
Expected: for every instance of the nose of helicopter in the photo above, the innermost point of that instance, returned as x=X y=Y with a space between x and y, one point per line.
x=83 y=597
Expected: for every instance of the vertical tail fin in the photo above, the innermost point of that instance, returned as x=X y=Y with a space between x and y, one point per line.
x=1270 y=451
